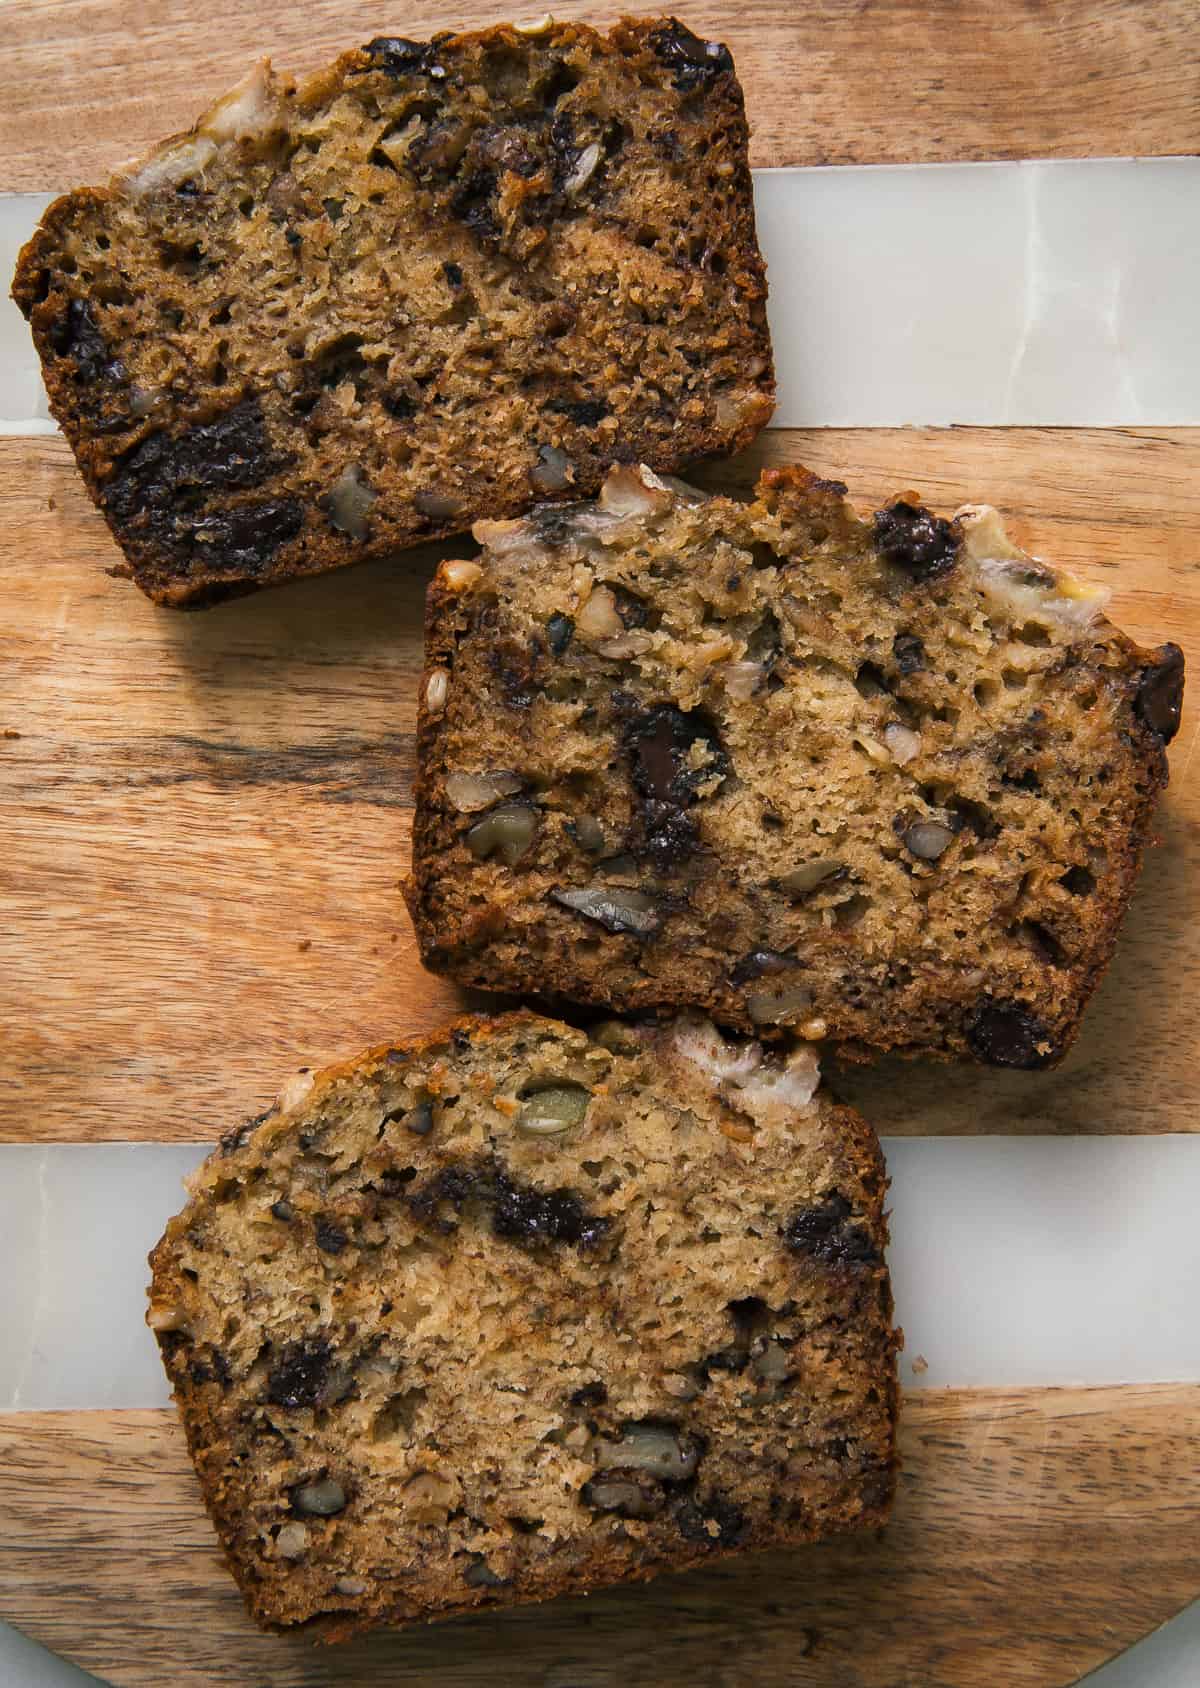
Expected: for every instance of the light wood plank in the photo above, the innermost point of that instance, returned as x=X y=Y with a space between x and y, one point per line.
x=85 y=85
x=1035 y=1535
x=204 y=818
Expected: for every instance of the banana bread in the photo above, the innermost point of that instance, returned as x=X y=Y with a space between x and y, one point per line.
x=526 y=1310
x=438 y=280
x=887 y=781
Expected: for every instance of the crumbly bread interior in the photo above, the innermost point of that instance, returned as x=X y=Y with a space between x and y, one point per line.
x=434 y=282
x=527 y=1310
x=885 y=781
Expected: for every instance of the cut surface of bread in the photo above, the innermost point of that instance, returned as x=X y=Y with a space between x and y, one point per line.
x=525 y=1310
x=438 y=280
x=884 y=781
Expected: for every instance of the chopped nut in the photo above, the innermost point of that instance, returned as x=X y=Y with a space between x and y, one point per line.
x=634 y=492
x=802 y=881
x=874 y=751
x=508 y=832
x=538 y=26
x=549 y=1112
x=350 y=502
x=814 y=1030
x=438 y=506
x=461 y=573
x=436 y=688
x=350 y=1585
x=743 y=679
x=292 y=1541
x=419 y=1120
x=903 y=743
x=658 y=1451
x=481 y=1575
x=630 y=1494
x=472 y=792
x=589 y=834
x=559 y=631
x=321 y=1499
x=598 y=619
x=584 y=170
x=166 y=1317
x=615 y=1035
x=614 y=908
x=927 y=839
x=772 y=1364
x=552 y=472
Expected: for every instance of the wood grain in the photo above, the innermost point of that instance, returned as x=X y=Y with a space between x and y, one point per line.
x=204 y=818
x=1035 y=1534
x=842 y=82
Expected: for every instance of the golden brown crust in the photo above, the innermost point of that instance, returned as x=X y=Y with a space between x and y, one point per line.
x=958 y=740
x=432 y=216
x=418 y=1363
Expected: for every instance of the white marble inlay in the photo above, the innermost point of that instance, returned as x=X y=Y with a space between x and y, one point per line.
x=1058 y=293
x=1016 y=1261
x=1045 y=293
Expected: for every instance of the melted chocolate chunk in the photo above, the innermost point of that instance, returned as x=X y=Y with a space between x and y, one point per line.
x=400 y=57
x=232 y=452
x=911 y=537
x=301 y=1374
x=694 y=1514
x=213 y=1370
x=585 y=413
x=825 y=1232
x=330 y=1237
x=1005 y=1034
x=909 y=652
x=236 y=1139
x=246 y=539
x=670 y=836
x=693 y=63
x=659 y=742
x=1159 y=700
x=76 y=335
x=520 y=1212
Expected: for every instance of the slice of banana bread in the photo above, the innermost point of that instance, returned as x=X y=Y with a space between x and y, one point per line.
x=436 y=281
x=887 y=782
x=524 y=1310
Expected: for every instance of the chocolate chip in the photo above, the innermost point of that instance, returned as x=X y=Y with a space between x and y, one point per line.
x=1005 y=1034
x=453 y=274
x=400 y=57
x=909 y=652
x=330 y=1237
x=301 y=1374
x=240 y=1134
x=693 y=63
x=1159 y=699
x=912 y=538
x=213 y=1370
x=229 y=452
x=826 y=1233
x=560 y=629
x=758 y=962
x=624 y=1492
x=670 y=836
x=585 y=413
x=693 y=1515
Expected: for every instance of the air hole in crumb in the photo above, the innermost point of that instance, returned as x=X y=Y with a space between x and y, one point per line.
x=1014 y=679
x=1041 y=940
x=525 y=1526
x=1079 y=881
x=246 y=206
x=1031 y=634
x=396 y=1419
x=852 y=910
x=986 y=692
x=763 y=556
x=1086 y=700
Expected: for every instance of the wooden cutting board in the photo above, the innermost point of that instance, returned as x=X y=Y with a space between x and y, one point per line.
x=203 y=820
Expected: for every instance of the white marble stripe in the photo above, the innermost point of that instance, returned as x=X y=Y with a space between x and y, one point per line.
x=1016 y=1261
x=1057 y=293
